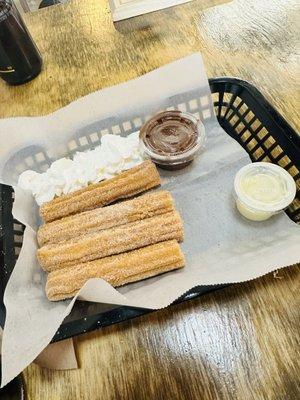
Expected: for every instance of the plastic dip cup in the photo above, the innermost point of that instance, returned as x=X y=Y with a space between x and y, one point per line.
x=263 y=189
x=172 y=139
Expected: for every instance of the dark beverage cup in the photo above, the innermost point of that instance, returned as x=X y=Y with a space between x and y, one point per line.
x=20 y=60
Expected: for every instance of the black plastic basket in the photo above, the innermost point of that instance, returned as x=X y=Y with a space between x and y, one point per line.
x=245 y=115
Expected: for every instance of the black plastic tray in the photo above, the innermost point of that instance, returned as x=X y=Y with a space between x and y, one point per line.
x=246 y=116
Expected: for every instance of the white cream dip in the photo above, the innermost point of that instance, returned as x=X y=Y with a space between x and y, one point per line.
x=262 y=190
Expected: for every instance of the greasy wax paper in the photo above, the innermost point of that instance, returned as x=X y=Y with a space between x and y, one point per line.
x=220 y=246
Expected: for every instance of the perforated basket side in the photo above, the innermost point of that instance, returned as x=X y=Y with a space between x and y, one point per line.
x=250 y=119
x=12 y=230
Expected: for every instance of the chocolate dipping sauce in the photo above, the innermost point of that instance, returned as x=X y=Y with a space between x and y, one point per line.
x=172 y=139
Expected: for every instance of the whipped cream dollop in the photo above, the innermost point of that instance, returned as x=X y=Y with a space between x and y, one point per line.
x=114 y=155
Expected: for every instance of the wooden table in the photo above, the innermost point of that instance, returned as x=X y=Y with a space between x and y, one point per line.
x=238 y=343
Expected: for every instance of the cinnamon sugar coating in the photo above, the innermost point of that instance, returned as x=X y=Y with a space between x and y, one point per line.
x=117 y=270
x=127 y=184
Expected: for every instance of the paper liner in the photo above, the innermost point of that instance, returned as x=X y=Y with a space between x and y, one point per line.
x=220 y=246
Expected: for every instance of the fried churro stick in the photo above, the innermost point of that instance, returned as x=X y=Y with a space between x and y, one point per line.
x=128 y=183
x=142 y=207
x=111 y=241
x=116 y=270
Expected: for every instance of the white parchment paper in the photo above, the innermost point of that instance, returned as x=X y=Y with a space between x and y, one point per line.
x=220 y=246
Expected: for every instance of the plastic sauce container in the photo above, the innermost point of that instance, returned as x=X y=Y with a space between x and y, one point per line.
x=262 y=190
x=172 y=139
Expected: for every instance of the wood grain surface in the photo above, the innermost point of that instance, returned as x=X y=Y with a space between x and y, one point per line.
x=238 y=343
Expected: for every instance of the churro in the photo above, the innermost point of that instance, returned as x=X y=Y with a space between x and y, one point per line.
x=142 y=207
x=117 y=270
x=129 y=183
x=111 y=241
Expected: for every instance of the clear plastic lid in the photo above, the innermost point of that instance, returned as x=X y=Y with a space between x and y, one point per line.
x=264 y=186
x=172 y=137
